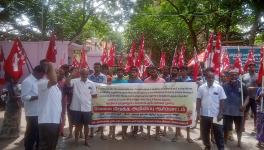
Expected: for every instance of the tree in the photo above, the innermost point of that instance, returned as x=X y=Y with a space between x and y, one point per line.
x=68 y=18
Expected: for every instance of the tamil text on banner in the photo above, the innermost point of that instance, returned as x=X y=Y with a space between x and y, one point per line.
x=168 y=104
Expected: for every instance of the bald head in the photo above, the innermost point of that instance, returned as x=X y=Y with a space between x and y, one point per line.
x=84 y=74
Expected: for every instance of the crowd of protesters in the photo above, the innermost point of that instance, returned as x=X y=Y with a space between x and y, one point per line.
x=49 y=95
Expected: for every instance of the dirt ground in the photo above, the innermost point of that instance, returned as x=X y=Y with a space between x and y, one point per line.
x=138 y=143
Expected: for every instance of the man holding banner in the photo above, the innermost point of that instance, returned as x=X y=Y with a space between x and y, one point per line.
x=154 y=78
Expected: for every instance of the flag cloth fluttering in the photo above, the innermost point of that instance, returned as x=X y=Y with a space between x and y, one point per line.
x=209 y=47
x=111 y=58
x=217 y=54
x=225 y=61
x=200 y=59
x=51 y=52
x=75 y=62
x=162 y=60
x=141 y=53
x=250 y=59
x=13 y=65
x=105 y=55
x=238 y=62
x=2 y=61
x=131 y=57
x=261 y=65
x=181 y=56
x=120 y=60
x=147 y=63
x=83 y=59
x=175 y=59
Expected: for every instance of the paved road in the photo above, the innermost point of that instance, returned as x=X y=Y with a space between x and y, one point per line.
x=139 y=143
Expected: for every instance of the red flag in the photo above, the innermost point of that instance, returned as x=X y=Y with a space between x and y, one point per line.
x=2 y=72
x=51 y=52
x=250 y=59
x=104 y=56
x=120 y=60
x=111 y=59
x=200 y=59
x=261 y=69
x=15 y=61
x=181 y=56
x=225 y=61
x=162 y=60
x=175 y=59
x=147 y=63
x=141 y=53
x=209 y=47
x=238 y=62
x=196 y=66
x=83 y=59
x=75 y=62
x=131 y=57
x=217 y=54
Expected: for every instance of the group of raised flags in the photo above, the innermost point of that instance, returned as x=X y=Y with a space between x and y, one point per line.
x=12 y=66
x=217 y=58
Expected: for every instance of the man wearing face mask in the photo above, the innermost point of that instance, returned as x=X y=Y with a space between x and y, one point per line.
x=232 y=105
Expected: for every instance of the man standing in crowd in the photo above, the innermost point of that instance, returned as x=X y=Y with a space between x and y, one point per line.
x=250 y=81
x=49 y=110
x=29 y=96
x=232 y=105
x=68 y=91
x=61 y=84
x=209 y=107
x=98 y=77
x=119 y=79
x=154 y=78
x=81 y=106
x=166 y=73
x=182 y=76
x=133 y=78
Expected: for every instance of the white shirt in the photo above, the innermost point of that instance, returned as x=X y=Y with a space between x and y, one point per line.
x=82 y=95
x=210 y=99
x=29 y=88
x=49 y=99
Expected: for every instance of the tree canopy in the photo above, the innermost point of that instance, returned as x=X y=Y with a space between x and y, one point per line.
x=165 y=23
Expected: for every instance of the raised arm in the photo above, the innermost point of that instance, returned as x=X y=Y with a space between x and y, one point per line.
x=51 y=75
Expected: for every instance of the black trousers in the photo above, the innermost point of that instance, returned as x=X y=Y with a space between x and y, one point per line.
x=207 y=125
x=31 y=134
x=48 y=136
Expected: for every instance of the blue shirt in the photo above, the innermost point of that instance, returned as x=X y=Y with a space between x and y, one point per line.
x=116 y=80
x=186 y=79
x=101 y=78
x=135 y=81
x=233 y=102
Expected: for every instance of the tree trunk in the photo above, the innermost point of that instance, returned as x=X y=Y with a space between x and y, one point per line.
x=192 y=35
x=253 y=31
